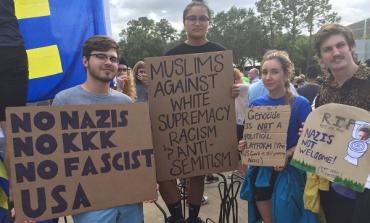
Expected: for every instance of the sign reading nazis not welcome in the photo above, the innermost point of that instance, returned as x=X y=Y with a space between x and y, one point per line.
x=335 y=144
x=193 y=114
x=71 y=159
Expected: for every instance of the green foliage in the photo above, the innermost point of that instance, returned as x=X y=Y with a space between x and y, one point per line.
x=286 y=20
x=350 y=184
x=303 y=166
x=241 y=31
x=277 y=24
x=146 y=38
x=272 y=20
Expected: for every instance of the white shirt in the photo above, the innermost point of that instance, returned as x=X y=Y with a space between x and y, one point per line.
x=241 y=103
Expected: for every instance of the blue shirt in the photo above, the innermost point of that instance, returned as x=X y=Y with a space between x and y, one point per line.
x=300 y=110
x=257 y=89
x=287 y=196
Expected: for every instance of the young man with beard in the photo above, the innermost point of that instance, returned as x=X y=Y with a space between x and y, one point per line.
x=349 y=84
x=100 y=59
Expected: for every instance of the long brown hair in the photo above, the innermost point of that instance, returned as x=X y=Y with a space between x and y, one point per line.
x=288 y=68
x=129 y=88
x=238 y=75
x=139 y=65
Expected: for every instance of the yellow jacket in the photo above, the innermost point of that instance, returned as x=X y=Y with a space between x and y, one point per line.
x=311 y=196
x=3 y=196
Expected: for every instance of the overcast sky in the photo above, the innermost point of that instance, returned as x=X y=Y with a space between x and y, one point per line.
x=121 y=11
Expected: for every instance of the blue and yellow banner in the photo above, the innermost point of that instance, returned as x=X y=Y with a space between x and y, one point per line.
x=4 y=186
x=54 y=32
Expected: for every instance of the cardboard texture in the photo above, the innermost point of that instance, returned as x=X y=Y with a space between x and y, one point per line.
x=66 y=160
x=265 y=133
x=192 y=114
x=334 y=144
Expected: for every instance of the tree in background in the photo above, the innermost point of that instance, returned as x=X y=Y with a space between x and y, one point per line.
x=145 y=38
x=286 y=20
x=271 y=16
x=317 y=12
x=277 y=24
x=240 y=31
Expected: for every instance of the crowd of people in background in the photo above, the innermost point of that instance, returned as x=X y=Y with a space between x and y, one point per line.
x=274 y=194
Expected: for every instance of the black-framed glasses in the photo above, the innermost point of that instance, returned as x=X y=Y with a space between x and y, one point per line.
x=193 y=18
x=122 y=69
x=103 y=57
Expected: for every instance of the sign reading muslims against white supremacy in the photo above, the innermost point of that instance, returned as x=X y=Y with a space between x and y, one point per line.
x=192 y=114
x=265 y=133
x=71 y=159
x=334 y=144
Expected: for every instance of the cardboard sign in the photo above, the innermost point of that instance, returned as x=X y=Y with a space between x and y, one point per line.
x=265 y=133
x=334 y=144
x=71 y=159
x=192 y=114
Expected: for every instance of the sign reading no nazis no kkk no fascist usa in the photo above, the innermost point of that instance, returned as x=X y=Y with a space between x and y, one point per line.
x=71 y=159
x=193 y=114
x=334 y=144
x=265 y=133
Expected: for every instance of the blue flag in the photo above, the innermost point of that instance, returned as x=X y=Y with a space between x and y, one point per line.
x=54 y=32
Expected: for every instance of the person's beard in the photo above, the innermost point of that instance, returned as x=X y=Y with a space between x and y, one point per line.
x=105 y=78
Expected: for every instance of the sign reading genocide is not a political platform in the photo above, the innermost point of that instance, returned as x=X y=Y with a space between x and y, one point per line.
x=193 y=114
x=71 y=159
x=335 y=143
x=265 y=133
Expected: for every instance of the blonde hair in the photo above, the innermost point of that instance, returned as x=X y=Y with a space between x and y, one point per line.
x=139 y=65
x=238 y=75
x=129 y=88
x=288 y=68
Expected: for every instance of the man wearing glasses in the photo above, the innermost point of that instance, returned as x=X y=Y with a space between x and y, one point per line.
x=100 y=59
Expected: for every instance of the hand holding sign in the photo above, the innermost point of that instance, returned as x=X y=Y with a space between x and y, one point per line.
x=60 y=157
x=193 y=114
x=235 y=91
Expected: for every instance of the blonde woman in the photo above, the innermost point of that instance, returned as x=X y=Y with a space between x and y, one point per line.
x=275 y=194
x=125 y=81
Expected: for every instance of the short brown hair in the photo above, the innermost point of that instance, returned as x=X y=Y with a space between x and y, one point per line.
x=99 y=43
x=329 y=30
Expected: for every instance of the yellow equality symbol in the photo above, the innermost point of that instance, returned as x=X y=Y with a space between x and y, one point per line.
x=44 y=61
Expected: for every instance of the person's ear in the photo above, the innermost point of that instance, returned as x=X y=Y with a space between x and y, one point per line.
x=85 y=61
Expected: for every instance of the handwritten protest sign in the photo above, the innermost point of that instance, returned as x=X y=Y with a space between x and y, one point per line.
x=265 y=133
x=72 y=159
x=192 y=114
x=334 y=144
